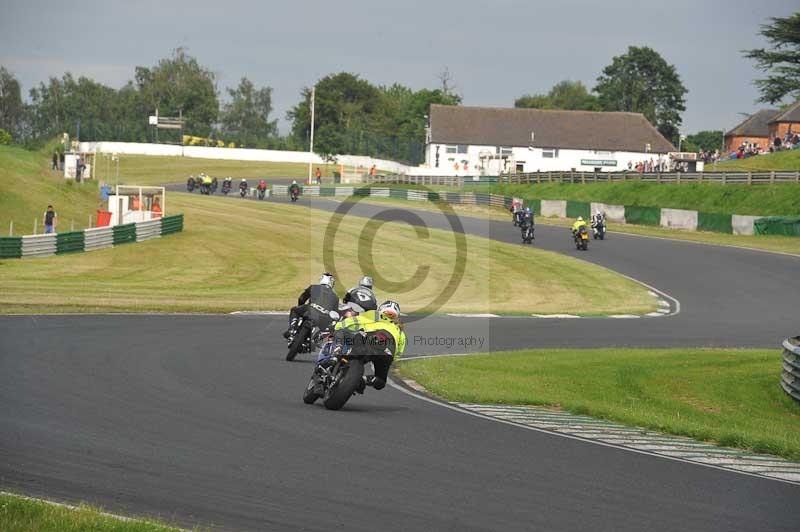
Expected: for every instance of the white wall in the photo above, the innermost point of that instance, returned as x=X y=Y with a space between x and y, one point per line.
x=237 y=154
x=531 y=159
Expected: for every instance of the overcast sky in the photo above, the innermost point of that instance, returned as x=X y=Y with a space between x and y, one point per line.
x=496 y=51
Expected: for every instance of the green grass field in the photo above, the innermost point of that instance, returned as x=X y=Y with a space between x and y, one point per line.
x=152 y=170
x=727 y=397
x=20 y=514
x=757 y=200
x=246 y=255
x=782 y=161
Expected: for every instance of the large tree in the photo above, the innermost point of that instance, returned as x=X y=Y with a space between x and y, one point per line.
x=66 y=104
x=567 y=94
x=343 y=104
x=180 y=83
x=12 y=109
x=246 y=117
x=703 y=140
x=781 y=61
x=641 y=81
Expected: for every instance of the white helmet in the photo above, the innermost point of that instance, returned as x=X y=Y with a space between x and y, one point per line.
x=327 y=280
x=389 y=310
x=294 y=181
x=366 y=282
x=580 y=218
x=244 y=180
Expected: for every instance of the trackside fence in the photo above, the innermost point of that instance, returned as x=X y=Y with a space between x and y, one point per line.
x=88 y=239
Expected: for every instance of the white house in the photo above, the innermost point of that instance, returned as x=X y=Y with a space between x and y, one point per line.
x=489 y=140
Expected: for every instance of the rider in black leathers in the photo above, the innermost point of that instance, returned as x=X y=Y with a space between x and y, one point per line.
x=361 y=298
x=318 y=298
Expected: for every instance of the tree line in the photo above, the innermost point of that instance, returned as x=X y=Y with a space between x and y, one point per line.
x=352 y=115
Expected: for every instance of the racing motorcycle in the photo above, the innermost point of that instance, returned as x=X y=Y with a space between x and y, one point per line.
x=582 y=239
x=527 y=234
x=599 y=230
x=339 y=376
x=517 y=218
x=243 y=189
x=307 y=333
x=190 y=184
x=294 y=194
x=226 y=187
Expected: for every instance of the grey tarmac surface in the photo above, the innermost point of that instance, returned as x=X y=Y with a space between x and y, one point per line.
x=198 y=419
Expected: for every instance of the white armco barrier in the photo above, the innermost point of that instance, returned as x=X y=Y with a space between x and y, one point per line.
x=614 y=213
x=417 y=195
x=38 y=245
x=311 y=191
x=344 y=191
x=148 y=230
x=98 y=238
x=679 y=219
x=379 y=192
x=743 y=225
x=554 y=208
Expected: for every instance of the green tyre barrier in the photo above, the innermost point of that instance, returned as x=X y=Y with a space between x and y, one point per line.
x=710 y=221
x=70 y=242
x=534 y=204
x=642 y=215
x=433 y=196
x=10 y=247
x=172 y=224
x=777 y=225
x=124 y=234
x=579 y=208
x=398 y=193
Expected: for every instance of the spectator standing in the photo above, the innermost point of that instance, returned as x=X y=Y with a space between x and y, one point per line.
x=55 y=161
x=318 y=175
x=50 y=220
x=372 y=170
x=156 y=208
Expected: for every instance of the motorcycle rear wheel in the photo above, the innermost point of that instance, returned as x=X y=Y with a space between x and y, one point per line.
x=299 y=337
x=344 y=385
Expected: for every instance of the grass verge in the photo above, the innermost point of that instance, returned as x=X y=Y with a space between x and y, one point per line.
x=788 y=161
x=723 y=396
x=782 y=244
x=756 y=200
x=21 y=514
x=244 y=255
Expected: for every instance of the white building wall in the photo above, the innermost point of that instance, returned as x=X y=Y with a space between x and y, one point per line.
x=532 y=160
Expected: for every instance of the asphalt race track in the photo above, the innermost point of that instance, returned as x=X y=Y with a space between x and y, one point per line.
x=198 y=419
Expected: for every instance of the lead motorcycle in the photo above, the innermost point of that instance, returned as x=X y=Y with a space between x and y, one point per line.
x=599 y=230
x=310 y=329
x=339 y=376
x=527 y=234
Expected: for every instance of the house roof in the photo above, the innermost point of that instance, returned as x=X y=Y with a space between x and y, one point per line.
x=755 y=125
x=493 y=126
x=792 y=114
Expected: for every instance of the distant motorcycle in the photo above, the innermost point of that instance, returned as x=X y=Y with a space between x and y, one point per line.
x=243 y=189
x=581 y=238
x=599 y=230
x=226 y=187
x=527 y=234
x=190 y=184
x=262 y=192
x=213 y=185
x=294 y=194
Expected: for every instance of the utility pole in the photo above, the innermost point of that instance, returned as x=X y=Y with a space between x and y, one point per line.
x=311 y=144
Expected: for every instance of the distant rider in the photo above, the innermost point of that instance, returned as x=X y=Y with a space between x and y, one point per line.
x=526 y=220
x=361 y=297
x=262 y=185
x=243 y=184
x=598 y=220
x=577 y=225
x=320 y=297
x=294 y=189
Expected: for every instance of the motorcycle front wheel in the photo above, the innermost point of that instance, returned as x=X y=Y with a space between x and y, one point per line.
x=299 y=338
x=344 y=384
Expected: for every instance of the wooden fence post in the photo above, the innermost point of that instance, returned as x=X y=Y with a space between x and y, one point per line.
x=724 y=177
x=772 y=177
x=749 y=178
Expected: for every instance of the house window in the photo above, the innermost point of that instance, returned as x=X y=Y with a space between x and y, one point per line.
x=550 y=153
x=458 y=148
x=504 y=150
